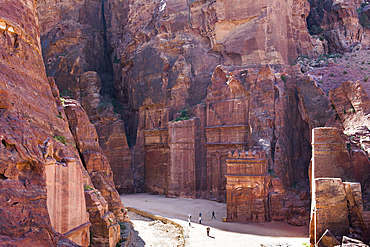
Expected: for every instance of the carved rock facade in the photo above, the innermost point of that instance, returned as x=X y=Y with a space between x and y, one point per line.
x=248 y=183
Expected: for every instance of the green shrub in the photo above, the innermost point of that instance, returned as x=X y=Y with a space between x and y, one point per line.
x=66 y=92
x=87 y=187
x=61 y=139
x=321 y=38
x=315 y=30
x=184 y=115
x=337 y=55
x=115 y=59
x=117 y=107
x=345 y=72
x=366 y=78
x=103 y=106
x=283 y=77
x=320 y=82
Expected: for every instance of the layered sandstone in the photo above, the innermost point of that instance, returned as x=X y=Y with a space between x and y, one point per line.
x=338 y=22
x=329 y=208
x=76 y=54
x=96 y=163
x=105 y=230
x=351 y=104
x=73 y=42
x=29 y=117
x=65 y=200
x=330 y=157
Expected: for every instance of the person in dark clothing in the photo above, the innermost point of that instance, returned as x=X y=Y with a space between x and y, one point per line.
x=200 y=218
x=208 y=229
x=213 y=215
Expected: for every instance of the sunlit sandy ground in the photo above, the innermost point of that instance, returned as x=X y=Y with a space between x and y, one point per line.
x=222 y=233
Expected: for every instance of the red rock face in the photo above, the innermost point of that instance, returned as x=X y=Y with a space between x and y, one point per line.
x=105 y=230
x=168 y=45
x=28 y=116
x=72 y=36
x=351 y=104
x=97 y=165
x=243 y=108
x=76 y=54
x=339 y=22
x=66 y=202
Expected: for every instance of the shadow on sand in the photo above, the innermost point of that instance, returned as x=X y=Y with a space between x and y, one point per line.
x=136 y=240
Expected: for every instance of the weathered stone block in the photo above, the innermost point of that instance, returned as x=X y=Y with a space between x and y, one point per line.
x=329 y=208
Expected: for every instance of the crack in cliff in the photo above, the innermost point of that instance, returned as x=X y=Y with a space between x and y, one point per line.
x=107 y=89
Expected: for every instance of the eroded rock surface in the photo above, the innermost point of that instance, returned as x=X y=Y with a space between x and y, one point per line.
x=96 y=163
x=29 y=117
x=338 y=22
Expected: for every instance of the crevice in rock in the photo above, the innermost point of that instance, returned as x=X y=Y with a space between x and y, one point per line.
x=273 y=141
x=107 y=89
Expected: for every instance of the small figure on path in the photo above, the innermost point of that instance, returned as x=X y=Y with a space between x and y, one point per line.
x=213 y=215
x=189 y=221
x=200 y=218
x=189 y=215
x=208 y=229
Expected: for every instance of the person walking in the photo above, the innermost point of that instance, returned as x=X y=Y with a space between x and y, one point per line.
x=189 y=218
x=213 y=215
x=208 y=229
x=189 y=221
x=200 y=218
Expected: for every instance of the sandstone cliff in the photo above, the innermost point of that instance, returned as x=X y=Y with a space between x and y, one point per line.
x=77 y=55
x=338 y=22
x=29 y=116
x=42 y=177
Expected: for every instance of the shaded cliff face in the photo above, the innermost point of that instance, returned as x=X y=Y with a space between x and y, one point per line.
x=73 y=42
x=28 y=116
x=338 y=22
x=77 y=54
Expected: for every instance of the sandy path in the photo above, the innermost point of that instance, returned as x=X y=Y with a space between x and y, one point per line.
x=154 y=233
x=222 y=233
